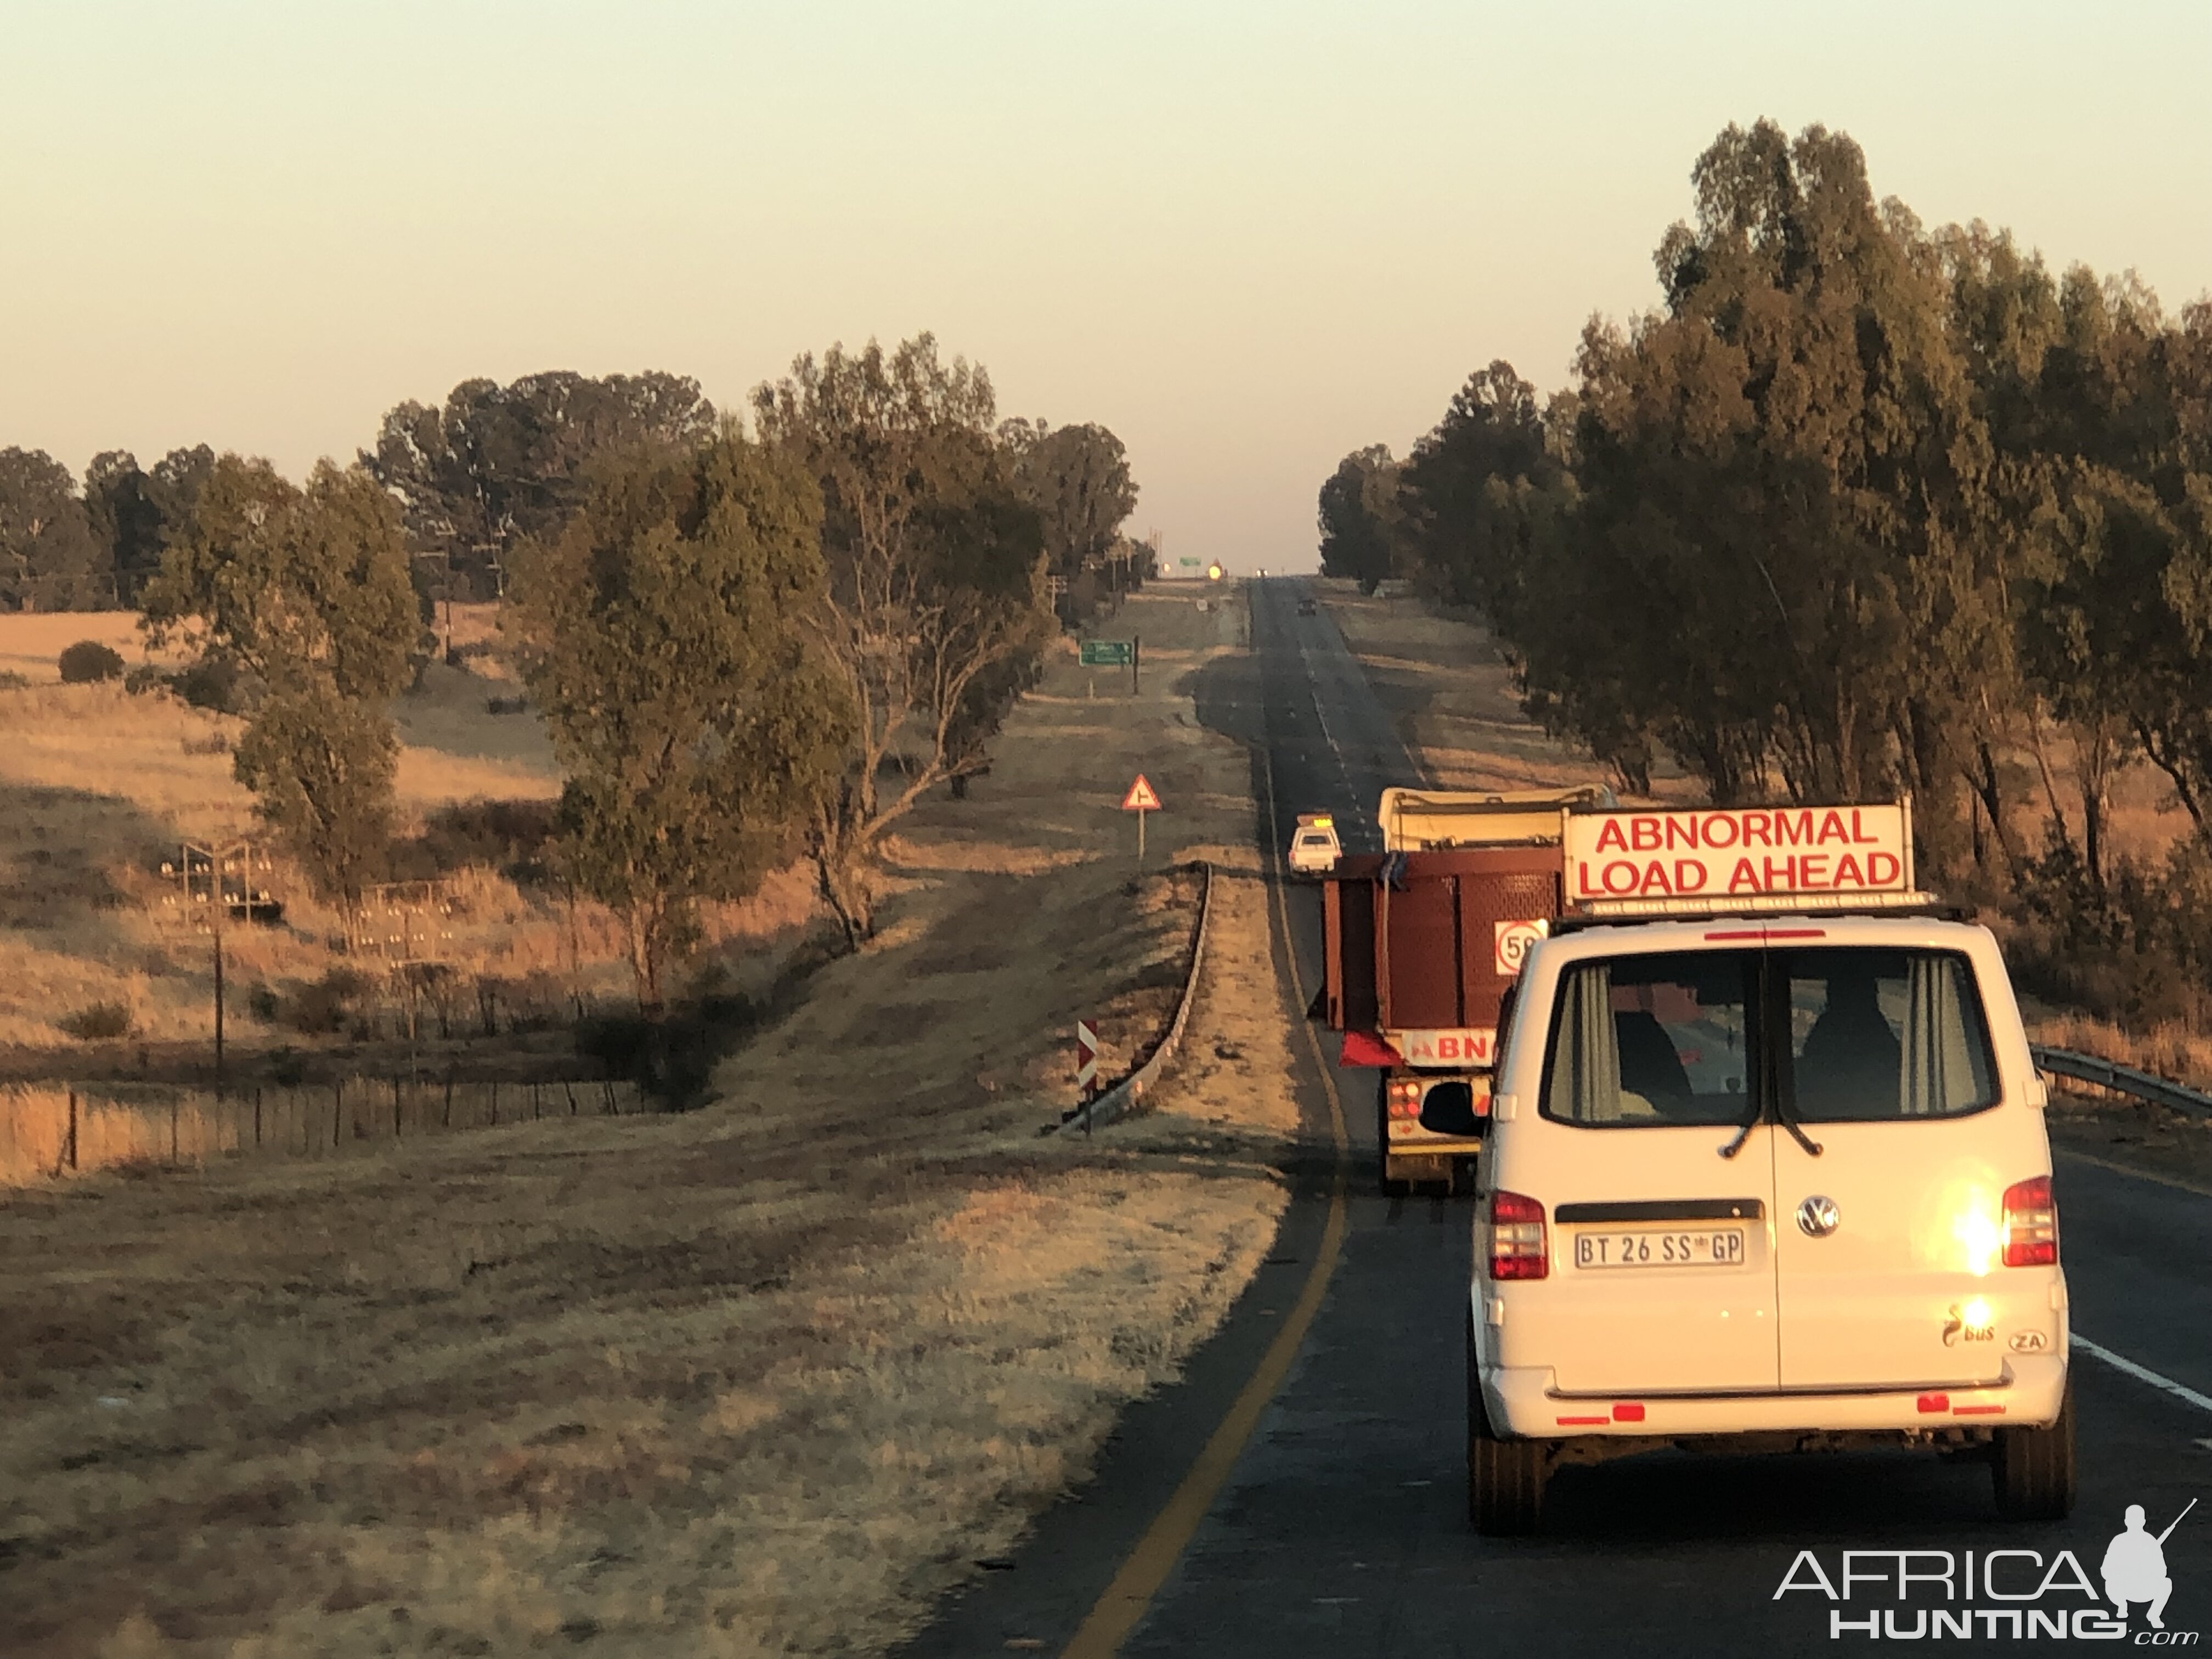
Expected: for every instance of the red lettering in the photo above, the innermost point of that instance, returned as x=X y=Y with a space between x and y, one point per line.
x=1682 y=831
x=1643 y=833
x=1716 y=823
x=1793 y=829
x=1609 y=838
x=1883 y=868
x=1628 y=878
x=1812 y=870
x=1655 y=878
x=1583 y=888
x=1447 y=1047
x=1743 y=877
x=1848 y=873
x=1785 y=882
x=1858 y=830
x=1757 y=832
x=1831 y=829
x=1690 y=875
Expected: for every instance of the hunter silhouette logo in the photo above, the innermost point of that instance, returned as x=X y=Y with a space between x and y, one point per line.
x=2135 y=1566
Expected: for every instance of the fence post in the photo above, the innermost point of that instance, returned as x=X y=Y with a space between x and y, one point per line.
x=494 y=1103
x=337 y=1110
x=449 y=1097
x=72 y=1129
x=537 y=1107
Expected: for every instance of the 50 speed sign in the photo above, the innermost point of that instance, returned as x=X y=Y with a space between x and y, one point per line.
x=1514 y=939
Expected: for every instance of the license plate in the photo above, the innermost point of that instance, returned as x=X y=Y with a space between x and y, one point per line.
x=1717 y=1247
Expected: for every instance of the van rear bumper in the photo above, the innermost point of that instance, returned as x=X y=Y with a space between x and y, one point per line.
x=1524 y=1403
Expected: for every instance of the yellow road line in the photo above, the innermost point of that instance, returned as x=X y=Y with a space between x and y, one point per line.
x=2174 y=1181
x=1124 y=1602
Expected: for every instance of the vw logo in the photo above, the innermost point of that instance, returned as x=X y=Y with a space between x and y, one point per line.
x=1817 y=1217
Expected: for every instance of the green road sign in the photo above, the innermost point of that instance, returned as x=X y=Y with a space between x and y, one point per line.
x=1190 y=563
x=1108 y=653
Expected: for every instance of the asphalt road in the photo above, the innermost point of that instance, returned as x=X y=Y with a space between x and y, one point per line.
x=1340 y=1527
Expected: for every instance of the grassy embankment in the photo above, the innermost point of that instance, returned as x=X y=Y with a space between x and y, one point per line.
x=1441 y=675
x=765 y=1379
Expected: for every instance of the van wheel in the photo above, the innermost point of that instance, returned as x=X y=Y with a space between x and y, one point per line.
x=1385 y=1183
x=1505 y=1479
x=2034 y=1468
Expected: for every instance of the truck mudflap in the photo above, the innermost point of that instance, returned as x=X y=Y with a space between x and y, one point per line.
x=1525 y=1403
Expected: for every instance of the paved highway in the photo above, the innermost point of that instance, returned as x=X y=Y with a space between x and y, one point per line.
x=1336 y=1523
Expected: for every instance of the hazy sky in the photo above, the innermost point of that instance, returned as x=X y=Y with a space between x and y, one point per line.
x=1247 y=237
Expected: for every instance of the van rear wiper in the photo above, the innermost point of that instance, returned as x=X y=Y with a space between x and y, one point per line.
x=1743 y=1132
x=1812 y=1147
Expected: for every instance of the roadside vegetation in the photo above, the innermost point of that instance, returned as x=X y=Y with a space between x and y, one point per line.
x=575 y=724
x=766 y=1378
x=739 y=662
x=1864 y=508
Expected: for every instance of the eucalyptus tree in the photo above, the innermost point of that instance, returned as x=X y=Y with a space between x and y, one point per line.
x=934 y=607
x=667 y=636
x=495 y=464
x=1077 y=479
x=308 y=590
x=48 y=557
x=1359 y=517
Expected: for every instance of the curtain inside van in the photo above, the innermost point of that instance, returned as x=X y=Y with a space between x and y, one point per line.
x=1585 y=1081
x=1941 y=1045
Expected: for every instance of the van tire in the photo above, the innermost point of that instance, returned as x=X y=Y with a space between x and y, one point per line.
x=1385 y=1183
x=1505 y=1478
x=2034 y=1468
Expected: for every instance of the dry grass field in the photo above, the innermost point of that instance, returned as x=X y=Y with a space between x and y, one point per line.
x=762 y=1379
x=98 y=786
x=30 y=645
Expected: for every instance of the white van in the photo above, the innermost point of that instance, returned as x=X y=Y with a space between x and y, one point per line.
x=1769 y=1183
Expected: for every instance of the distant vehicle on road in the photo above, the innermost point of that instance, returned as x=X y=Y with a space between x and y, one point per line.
x=1305 y=607
x=1766 y=1168
x=1315 y=848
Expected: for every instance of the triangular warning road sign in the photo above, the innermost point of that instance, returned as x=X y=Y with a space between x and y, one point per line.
x=1140 y=798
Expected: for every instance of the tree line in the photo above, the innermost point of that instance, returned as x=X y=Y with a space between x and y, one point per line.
x=1859 y=507
x=752 y=642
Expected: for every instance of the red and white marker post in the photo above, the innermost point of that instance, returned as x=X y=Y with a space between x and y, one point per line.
x=1086 y=1069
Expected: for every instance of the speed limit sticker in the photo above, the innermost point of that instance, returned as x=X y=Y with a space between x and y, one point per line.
x=1514 y=939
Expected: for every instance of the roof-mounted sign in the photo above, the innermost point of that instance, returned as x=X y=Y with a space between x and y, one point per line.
x=1653 y=862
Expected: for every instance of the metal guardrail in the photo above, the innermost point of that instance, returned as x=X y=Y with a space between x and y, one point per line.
x=2121 y=1079
x=1122 y=1099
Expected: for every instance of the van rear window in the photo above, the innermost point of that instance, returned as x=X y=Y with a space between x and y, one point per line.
x=1884 y=1034
x=1653 y=1040
x=1682 y=1037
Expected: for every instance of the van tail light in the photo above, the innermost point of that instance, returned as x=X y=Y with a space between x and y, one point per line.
x=2031 y=1225
x=1517 y=1249
x=1404 y=1095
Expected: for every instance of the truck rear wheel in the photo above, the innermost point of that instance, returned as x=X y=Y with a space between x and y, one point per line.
x=2034 y=1468
x=1505 y=1479
x=1385 y=1183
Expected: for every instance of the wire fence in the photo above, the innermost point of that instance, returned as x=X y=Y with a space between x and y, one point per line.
x=52 y=1130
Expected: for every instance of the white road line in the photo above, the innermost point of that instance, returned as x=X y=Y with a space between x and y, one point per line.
x=2143 y=1373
